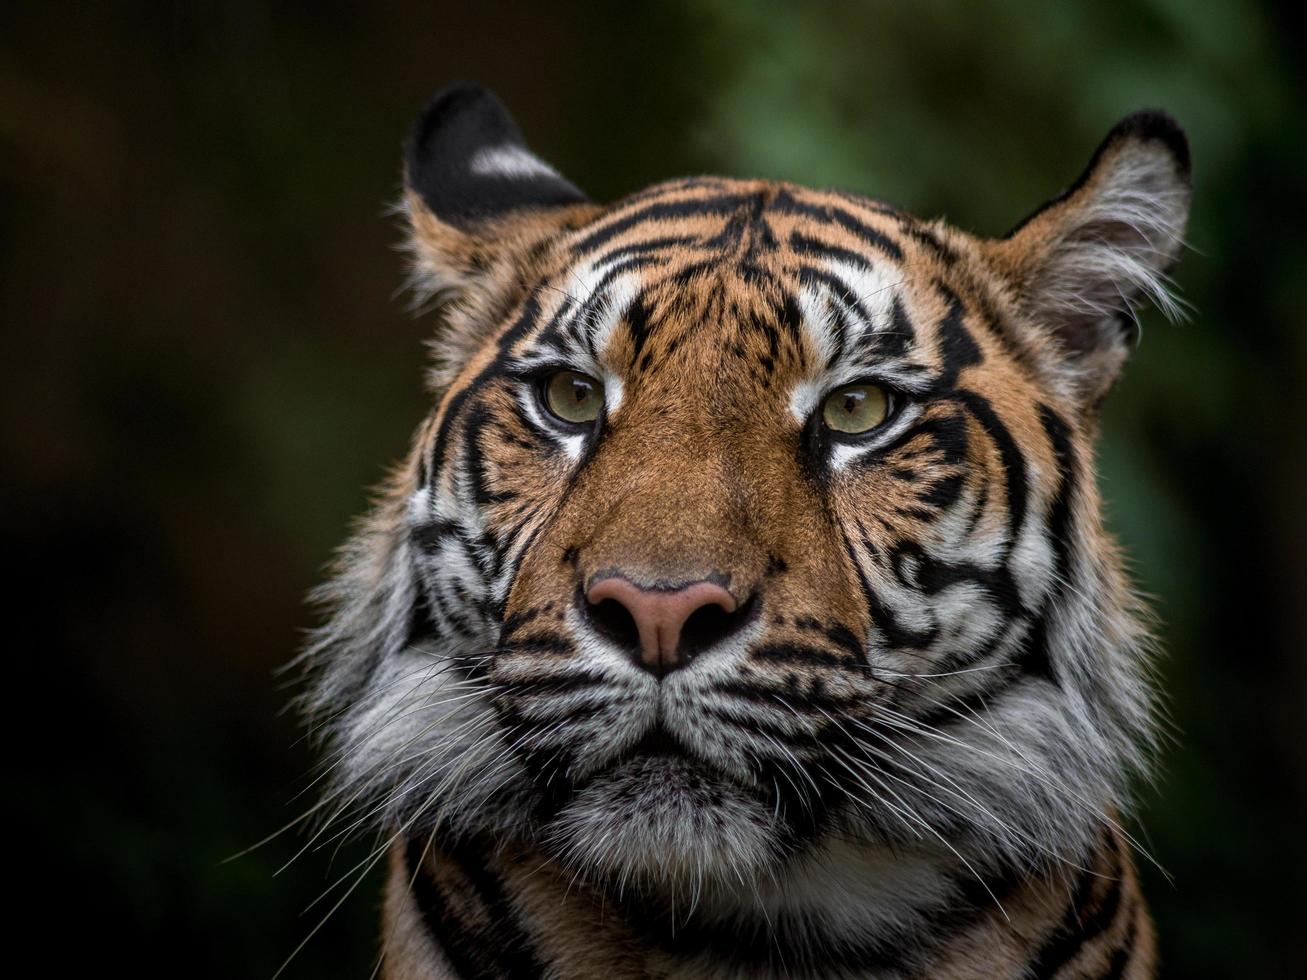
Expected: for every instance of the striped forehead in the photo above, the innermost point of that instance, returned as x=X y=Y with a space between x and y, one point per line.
x=834 y=259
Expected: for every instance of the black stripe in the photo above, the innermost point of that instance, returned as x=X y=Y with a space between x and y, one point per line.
x=525 y=322
x=943 y=493
x=539 y=644
x=805 y=245
x=751 y=724
x=932 y=575
x=786 y=203
x=896 y=635
x=791 y=653
x=839 y=329
x=512 y=623
x=1059 y=517
x=747 y=219
x=478 y=419
x=1063 y=943
x=637 y=324
x=783 y=698
x=902 y=334
x=721 y=205
x=453 y=618
x=1080 y=924
x=975 y=702
x=957 y=348
x=421 y=626
x=839 y=289
x=843 y=636
x=590 y=310
x=523 y=726
x=489 y=943
x=428 y=536
x=928 y=238
x=1035 y=658
x=647 y=245
x=565 y=684
x=1125 y=953
x=948 y=435
x=1014 y=464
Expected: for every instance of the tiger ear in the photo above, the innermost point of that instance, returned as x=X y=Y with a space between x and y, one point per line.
x=477 y=200
x=1082 y=263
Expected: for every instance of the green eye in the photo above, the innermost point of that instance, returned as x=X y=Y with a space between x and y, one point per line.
x=573 y=397
x=855 y=408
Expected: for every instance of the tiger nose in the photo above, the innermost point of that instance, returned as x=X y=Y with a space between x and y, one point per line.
x=656 y=619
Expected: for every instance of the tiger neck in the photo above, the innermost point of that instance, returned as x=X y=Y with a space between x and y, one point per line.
x=475 y=910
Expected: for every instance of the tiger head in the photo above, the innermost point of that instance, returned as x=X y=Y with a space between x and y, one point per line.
x=749 y=518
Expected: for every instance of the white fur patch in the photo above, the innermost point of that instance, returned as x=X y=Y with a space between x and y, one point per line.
x=509 y=161
x=1112 y=250
x=872 y=290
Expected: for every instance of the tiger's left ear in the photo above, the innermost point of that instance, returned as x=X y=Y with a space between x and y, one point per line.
x=479 y=204
x=1081 y=264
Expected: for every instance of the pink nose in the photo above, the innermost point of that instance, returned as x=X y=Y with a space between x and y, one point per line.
x=660 y=616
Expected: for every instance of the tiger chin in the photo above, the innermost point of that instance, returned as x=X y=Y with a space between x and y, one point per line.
x=743 y=607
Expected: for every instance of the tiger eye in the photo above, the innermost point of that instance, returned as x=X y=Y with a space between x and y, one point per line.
x=573 y=397
x=855 y=408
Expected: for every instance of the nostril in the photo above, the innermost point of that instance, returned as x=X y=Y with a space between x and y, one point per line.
x=614 y=621
x=663 y=627
x=709 y=625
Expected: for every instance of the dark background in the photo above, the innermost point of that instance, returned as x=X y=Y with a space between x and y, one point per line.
x=206 y=363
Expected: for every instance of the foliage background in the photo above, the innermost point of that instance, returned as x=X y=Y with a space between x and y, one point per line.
x=205 y=366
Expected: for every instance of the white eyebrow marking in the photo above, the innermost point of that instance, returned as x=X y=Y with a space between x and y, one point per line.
x=871 y=287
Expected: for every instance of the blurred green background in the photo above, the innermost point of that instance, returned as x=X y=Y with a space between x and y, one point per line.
x=206 y=365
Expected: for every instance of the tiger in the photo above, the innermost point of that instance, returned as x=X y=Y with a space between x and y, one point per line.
x=744 y=606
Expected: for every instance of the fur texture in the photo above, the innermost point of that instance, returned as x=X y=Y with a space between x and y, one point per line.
x=906 y=752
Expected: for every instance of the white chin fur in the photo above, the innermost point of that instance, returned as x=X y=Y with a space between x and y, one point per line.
x=662 y=821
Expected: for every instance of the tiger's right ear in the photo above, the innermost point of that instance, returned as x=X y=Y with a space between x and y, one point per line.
x=478 y=202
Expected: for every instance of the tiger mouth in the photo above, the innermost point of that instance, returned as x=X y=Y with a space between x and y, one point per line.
x=656 y=742
x=658 y=751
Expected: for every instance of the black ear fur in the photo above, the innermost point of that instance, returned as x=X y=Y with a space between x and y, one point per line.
x=466 y=159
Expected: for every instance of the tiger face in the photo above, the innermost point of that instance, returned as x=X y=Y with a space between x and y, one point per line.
x=750 y=521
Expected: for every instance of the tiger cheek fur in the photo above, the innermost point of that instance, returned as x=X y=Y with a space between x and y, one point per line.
x=688 y=677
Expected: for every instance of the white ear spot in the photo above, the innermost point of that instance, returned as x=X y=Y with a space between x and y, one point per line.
x=509 y=161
